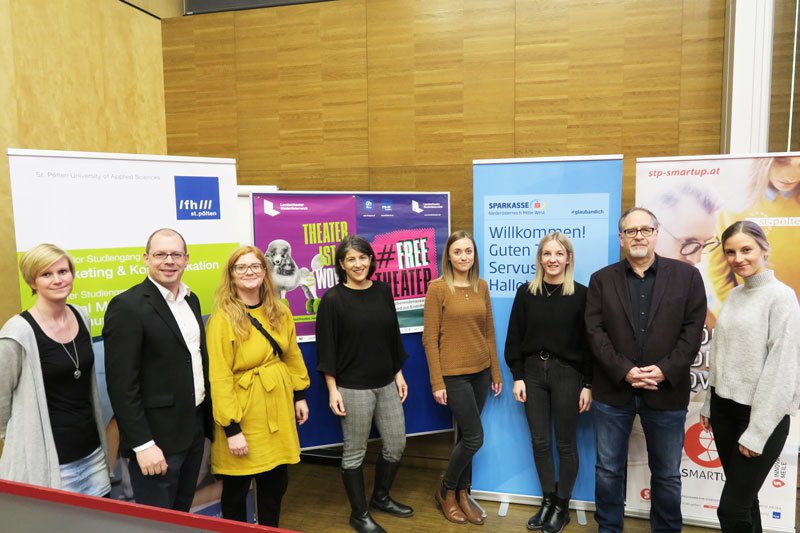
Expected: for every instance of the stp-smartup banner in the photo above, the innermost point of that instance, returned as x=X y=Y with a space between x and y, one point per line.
x=695 y=199
x=299 y=233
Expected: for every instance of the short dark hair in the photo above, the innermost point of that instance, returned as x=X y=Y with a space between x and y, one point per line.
x=358 y=243
x=165 y=231
x=748 y=227
x=631 y=210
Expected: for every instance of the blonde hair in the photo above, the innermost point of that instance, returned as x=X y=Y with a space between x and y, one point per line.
x=228 y=304
x=38 y=259
x=447 y=269
x=759 y=180
x=536 y=286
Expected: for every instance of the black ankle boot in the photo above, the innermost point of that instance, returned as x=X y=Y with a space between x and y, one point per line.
x=559 y=518
x=535 y=522
x=385 y=472
x=360 y=519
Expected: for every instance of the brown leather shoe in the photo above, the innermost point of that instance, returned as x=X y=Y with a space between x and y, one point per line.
x=468 y=507
x=449 y=506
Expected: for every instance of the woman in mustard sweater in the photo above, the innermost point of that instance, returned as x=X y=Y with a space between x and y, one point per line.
x=258 y=381
x=462 y=361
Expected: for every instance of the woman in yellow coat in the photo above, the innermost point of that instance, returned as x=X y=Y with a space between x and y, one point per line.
x=258 y=381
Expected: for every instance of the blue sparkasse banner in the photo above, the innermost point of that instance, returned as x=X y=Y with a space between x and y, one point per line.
x=514 y=224
x=516 y=203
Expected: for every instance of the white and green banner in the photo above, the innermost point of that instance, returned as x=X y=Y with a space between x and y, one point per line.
x=101 y=208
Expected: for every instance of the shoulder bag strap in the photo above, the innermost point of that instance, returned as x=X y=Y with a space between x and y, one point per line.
x=272 y=341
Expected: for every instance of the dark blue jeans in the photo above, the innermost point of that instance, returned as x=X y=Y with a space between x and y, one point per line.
x=466 y=396
x=664 y=433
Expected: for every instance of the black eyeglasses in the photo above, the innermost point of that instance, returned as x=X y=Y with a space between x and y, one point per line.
x=162 y=256
x=692 y=246
x=646 y=231
x=257 y=268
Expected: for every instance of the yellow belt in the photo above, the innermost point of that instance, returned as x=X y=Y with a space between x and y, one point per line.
x=268 y=381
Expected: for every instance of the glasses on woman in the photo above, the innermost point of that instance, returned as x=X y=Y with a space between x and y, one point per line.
x=255 y=268
x=692 y=246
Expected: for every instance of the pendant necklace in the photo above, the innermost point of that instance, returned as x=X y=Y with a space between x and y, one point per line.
x=550 y=293
x=75 y=360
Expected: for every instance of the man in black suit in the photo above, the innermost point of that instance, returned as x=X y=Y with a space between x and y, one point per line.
x=157 y=376
x=644 y=318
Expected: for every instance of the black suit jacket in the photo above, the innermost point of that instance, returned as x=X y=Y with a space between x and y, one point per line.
x=149 y=371
x=674 y=332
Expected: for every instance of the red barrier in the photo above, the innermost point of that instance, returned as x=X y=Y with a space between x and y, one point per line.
x=199 y=522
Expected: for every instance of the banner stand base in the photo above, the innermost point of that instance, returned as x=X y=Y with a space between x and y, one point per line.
x=505 y=498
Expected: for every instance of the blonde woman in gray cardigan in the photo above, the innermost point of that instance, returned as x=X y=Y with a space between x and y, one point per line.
x=754 y=377
x=49 y=404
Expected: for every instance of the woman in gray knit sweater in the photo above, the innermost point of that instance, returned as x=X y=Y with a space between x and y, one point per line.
x=754 y=378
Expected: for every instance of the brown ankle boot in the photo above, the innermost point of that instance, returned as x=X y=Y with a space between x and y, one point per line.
x=470 y=510
x=449 y=505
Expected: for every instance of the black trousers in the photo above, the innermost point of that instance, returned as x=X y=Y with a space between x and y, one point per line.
x=738 y=505
x=553 y=389
x=174 y=490
x=466 y=396
x=270 y=488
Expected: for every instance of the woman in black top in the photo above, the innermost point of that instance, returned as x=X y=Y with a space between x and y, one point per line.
x=55 y=440
x=360 y=353
x=548 y=355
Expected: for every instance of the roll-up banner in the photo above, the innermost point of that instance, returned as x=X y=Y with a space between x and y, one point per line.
x=101 y=207
x=516 y=203
x=299 y=231
x=695 y=199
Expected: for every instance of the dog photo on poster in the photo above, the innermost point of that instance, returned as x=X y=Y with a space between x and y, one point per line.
x=299 y=232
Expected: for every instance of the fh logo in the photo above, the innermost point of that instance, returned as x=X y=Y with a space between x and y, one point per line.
x=197 y=197
x=191 y=204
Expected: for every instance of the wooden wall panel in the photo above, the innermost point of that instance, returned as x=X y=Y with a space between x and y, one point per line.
x=390 y=82
x=344 y=86
x=488 y=115
x=9 y=132
x=652 y=77
x=439 y=83
x=596 y=61
x=78 y=75
x=403 y=94
x=782 y=74
x=300 y=90
x=542 y=78
x=702 y=49
x=180 y=86
x=215 y=73
x=257 y=90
